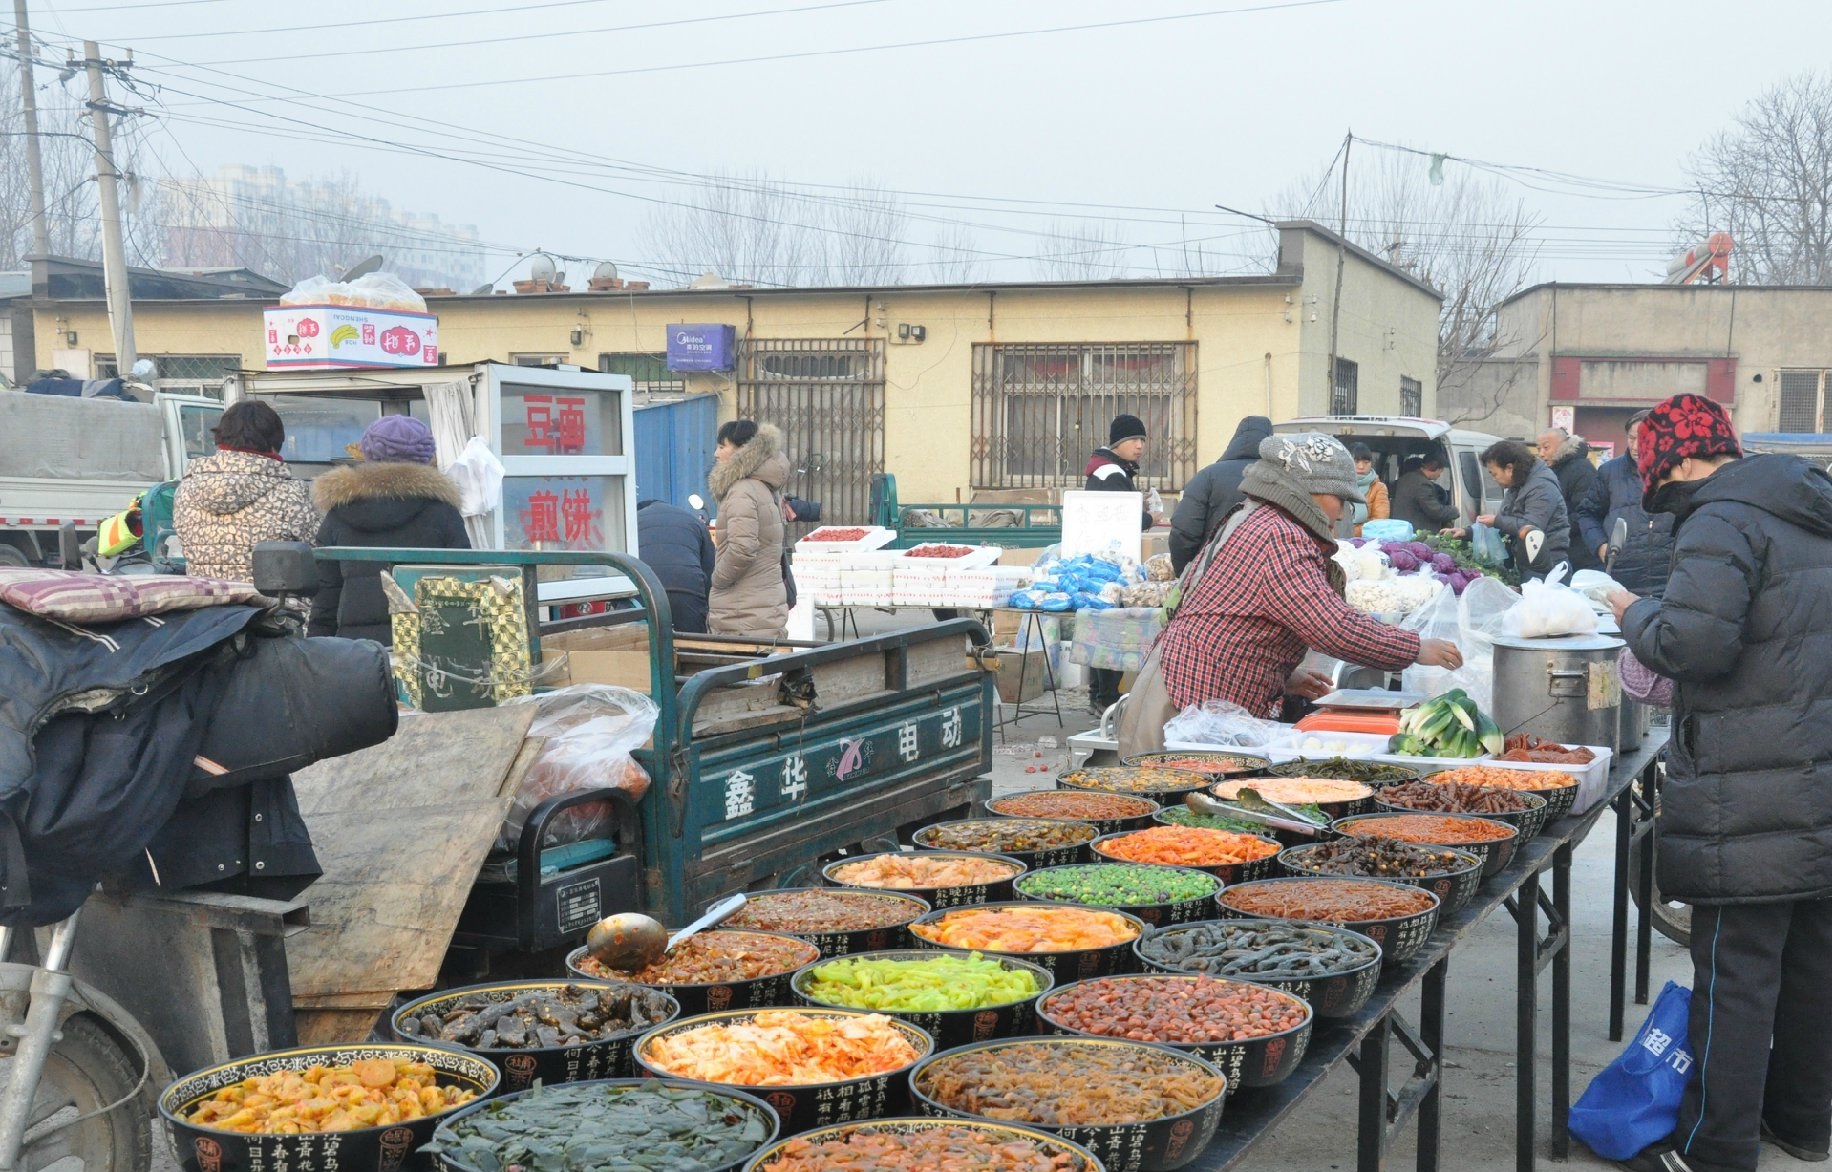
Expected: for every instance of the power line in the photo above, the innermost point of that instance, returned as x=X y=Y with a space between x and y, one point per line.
x=137 y=7
x=806 y=54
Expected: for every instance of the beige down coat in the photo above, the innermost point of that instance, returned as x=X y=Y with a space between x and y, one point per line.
x=229 y=502
x=748 y=596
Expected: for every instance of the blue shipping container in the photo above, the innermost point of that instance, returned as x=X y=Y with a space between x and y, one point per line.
x=674 y=444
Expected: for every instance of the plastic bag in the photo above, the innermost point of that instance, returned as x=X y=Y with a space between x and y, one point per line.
x=1221 y=723
x=1486 y=546
x=319 y=290
x=479 y=476
x=1595 y=585
x=1471 y=621
x=1634 y=1101
x=1550 y=608
x=386 y=291
x=1387 y=529
x=590 y=732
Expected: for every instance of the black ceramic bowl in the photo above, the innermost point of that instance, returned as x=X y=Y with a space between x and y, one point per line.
x=935 y=897
x=1495 y=853
x=1256 y=1062
x=1528 y=821
x=772 y=911
x=1067 y=965
x=446 y=1156
x=1261 y=868
x=1157 y=914
x=949 y=1027
x=1559 y=799
x=1149 y=1145
x=806 y=1106
x=1399 y=937
x=1003 y=833
x=1160 y=785
x=1268 y=788
x=1211 y=763
x=1371 y=773
x=1454 y=888
x=1078 y=1158
x=711 y=997
x=1046 y=799
x=366 y=1149
x=1336 y=992
x=600 y=1059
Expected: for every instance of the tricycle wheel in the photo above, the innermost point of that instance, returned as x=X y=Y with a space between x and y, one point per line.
x=85 y=1072
x=1671 y=919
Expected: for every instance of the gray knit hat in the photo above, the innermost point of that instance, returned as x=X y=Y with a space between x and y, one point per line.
x=1315 y=462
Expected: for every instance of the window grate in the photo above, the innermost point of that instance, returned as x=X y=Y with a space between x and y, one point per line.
x=827 y=396
x=1411 y=396
x=649 y=372
x=1800 y=407
x=1344 y=395
x=188 y=374
x=1039 y=411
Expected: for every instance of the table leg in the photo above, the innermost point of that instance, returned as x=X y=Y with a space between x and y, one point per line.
x=1371 y=1130
x=1618 y=918
x=1049 y=672
x=1526 y=1025
x=1561 y=1006
x=1431 y=1032
x=1644 y=883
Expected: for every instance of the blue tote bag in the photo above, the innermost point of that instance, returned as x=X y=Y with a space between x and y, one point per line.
x=1634 y=1101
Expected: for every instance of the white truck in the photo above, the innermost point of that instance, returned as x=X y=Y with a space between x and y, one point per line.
x=79 y=461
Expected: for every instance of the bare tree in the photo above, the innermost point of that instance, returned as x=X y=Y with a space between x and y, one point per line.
x=1767 y=180
x=68 y=156
x=1088 y=251
x=1463 y=234
x=754 y=228
x=953 y=260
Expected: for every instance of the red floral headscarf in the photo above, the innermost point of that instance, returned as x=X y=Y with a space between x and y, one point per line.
x=1680 y=427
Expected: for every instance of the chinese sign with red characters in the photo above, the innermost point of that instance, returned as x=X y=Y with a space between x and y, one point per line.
x=554 y=512
x=557 y=423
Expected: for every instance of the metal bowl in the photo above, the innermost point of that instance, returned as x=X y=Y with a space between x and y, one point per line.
x=810 y=1105
x=1335 y=993
x=936 y=897
x=1399 y=937
x=600 y=1058
x=366 y=1149
x=898 y=906
x=949 y=1027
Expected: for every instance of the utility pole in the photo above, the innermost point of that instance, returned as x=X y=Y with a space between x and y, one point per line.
x=114 y=254
x=1342 y=249
x=35 y=171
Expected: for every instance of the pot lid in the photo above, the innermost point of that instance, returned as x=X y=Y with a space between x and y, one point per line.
x=1560 y=643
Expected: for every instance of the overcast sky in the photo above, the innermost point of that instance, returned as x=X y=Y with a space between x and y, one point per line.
x=1181 y=114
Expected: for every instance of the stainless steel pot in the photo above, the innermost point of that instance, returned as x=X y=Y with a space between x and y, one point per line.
x=1565 y=689
x=1633 y=725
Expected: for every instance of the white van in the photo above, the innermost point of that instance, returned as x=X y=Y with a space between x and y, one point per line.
x=1396 y=438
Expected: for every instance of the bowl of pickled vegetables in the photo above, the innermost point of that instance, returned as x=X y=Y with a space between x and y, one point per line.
x=720 y=969
x=1035 y=842
x=957 y=998
x=942 y=878
x=1071 y=942
x=926 y=1143
x=836 y=920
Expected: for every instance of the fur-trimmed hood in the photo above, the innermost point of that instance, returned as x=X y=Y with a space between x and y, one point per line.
x=761 y=459
x=1571 y=448
x=382 y=497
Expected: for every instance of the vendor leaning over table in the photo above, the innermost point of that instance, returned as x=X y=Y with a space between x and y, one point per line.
x=1744 y=629
x=1271 y=592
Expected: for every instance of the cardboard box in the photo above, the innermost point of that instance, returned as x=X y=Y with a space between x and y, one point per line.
x=339 y=337
x=603 y=655
x=1031 y=665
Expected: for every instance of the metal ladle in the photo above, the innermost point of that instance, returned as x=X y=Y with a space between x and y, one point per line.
x=631 y=941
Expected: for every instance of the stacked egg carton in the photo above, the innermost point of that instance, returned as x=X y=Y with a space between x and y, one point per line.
x=986 y=587
x=869 y=579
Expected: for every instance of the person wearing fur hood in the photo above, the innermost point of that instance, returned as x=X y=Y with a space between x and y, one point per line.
x=393 y=497
x=749 y=598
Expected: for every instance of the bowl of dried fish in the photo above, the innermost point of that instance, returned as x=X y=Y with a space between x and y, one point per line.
x=553 y=1031
x=657 y=1124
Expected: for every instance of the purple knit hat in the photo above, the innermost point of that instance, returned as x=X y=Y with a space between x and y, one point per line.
x=401 y=439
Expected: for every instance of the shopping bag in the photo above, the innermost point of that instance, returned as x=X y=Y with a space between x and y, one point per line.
x=1550 y=608
x=1634 y=1101
x=1485 y=545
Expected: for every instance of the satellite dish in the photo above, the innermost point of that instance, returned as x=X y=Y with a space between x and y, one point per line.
x=363 y=269
x=483 y=289
x=606 y=271
x=542 y=269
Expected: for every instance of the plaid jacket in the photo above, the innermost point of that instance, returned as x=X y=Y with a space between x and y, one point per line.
x=1264 y=601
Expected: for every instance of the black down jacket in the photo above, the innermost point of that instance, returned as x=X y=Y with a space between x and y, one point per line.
x=676 y=545
x=410 y=506
x=1576 y=474
x=1643 y=563
x=1745 y=630
x=1212 y=493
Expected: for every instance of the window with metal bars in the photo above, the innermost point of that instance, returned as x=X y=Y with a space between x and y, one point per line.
x=1411 y=396
x=1039 y=411
x=186 y=374
x=1802 y=406
x=1343 y=394
x=649 y=372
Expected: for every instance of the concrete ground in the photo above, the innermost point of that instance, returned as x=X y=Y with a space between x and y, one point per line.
x=1478 y=1079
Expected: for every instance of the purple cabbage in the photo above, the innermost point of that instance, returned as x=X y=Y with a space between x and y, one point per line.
x=1402 y=560
x=1419 y=550
x=1444 y=562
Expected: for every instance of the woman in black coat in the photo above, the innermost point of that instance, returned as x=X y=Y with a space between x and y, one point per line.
x=393 y=497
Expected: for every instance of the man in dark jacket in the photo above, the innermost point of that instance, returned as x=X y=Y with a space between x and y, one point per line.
x=1115 y=468
x=1745 y=631
x=1418 y=499
x=1212 y=493
x=394 y=498
x=1569 y=458
x=677 y=546
x=1642 y=563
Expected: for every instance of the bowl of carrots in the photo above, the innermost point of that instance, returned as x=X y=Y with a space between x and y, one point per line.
x=816 y=1067
x=943 y=878
x=1229 y=855
x=1071 y=941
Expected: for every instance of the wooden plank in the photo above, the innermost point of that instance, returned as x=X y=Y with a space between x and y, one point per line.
x=401 y=830
x=330 y=1027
